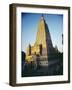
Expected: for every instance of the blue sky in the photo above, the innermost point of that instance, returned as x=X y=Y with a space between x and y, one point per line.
x=29 y=27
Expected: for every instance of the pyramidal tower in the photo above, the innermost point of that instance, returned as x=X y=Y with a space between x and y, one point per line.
x=43 y=47
x=43 y=37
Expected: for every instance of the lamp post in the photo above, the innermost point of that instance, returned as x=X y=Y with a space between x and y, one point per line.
x=62 y=42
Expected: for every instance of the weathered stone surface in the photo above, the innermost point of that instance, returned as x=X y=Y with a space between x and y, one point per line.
x=43 y=44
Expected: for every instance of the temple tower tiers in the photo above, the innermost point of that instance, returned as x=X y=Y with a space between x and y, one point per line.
x=43 y=47
x=43 y=37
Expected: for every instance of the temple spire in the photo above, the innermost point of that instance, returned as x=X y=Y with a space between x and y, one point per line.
x=42 y=17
